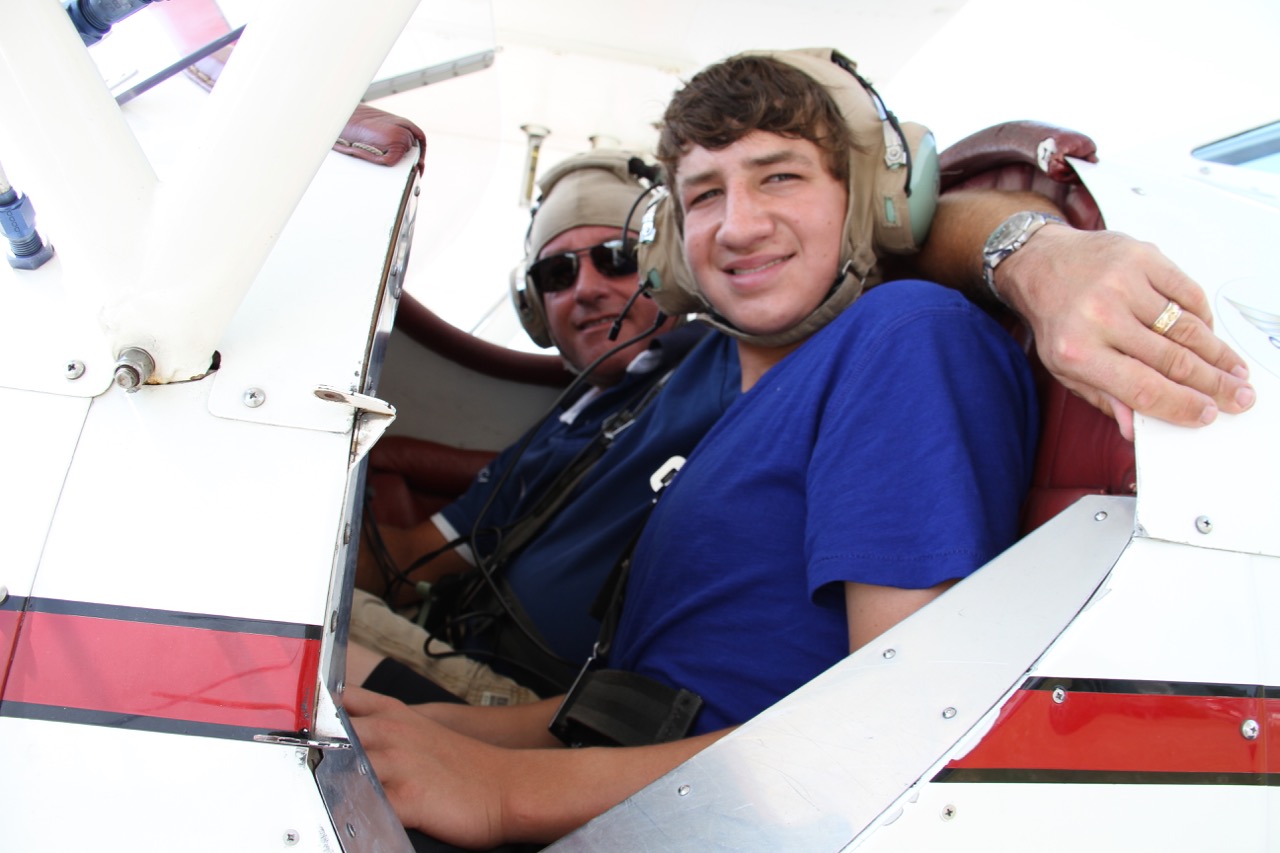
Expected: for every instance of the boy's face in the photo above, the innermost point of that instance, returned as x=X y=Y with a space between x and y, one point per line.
x=763 y=220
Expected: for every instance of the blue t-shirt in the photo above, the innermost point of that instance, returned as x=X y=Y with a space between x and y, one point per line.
x=557 y=576
x=893 y=448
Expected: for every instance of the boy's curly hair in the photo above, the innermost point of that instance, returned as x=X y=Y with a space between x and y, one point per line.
x=727 y=101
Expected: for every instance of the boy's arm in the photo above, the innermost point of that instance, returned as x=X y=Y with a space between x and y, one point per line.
x=474 y=794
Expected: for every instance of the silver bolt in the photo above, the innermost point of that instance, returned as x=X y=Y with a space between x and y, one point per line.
x=683 y=790
x=1249 y=728
x=890 y=654
x=1100 y=515
x=948 y=812
x=134 y=367
x=1204 y=524
x=948 y=713
x=290 y=837
x=74 y=370
x=1059 y=695
x=254 y=397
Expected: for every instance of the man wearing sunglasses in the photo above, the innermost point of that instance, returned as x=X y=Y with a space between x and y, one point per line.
x=580 y=276
x=576 y=292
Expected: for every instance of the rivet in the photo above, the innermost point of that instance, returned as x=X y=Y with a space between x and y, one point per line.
x=1059 y=695
x=1204 y=524
x=254 y=397
x=948 y=713
x=890 y=654
x=683 y=790
x=74 y=370
x=1100 y=515
x=948 y=812
x=290 y=837
x=1249 y=728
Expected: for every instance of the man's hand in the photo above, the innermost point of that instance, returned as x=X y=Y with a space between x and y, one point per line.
x=1091 y=297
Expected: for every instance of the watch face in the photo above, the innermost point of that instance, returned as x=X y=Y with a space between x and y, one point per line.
x=1010 y=231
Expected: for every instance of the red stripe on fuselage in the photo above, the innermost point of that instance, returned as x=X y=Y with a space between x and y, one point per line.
x=8 y=634
x=1125 y=732
x=117 y=666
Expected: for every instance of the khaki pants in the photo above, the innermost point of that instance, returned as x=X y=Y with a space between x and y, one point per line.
x=376 y=627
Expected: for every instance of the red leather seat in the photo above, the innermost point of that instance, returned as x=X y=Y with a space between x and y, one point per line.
x=410 y=478
x=1081 y=450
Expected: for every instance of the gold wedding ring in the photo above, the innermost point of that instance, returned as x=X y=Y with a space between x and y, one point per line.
x=1167 y=318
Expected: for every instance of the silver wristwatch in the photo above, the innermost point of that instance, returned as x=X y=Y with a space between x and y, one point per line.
x=1010 y=236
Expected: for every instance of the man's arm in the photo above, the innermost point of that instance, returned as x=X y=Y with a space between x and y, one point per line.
x=1090 y=298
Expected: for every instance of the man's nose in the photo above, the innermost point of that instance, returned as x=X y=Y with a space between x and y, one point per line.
x=590 y=285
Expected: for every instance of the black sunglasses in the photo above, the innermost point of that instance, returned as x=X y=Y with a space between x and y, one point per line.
x=612 y=259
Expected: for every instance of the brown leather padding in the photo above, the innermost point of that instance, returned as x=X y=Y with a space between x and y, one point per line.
x=412 y=478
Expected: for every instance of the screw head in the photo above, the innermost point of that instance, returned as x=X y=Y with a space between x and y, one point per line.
x=683 y=790
x=1059 y=695
x=74 y=370
x=948 y=713
x=948 y=812
x=1100 y=515
x=290 y=837
x=254 y=397
x=889 y=654
x=1250 y=729
x=127 y=378
x=1204 y=524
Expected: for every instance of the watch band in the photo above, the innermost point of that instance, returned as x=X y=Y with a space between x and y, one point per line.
x=1008 y=237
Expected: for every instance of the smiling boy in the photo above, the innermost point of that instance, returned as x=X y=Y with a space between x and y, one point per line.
x=876 y=455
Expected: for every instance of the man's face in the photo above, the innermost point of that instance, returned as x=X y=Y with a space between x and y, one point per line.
x=580 y=316
x=762 y=227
